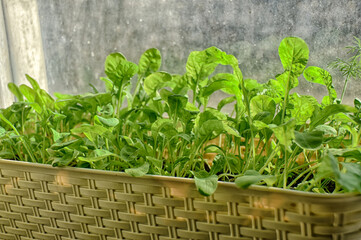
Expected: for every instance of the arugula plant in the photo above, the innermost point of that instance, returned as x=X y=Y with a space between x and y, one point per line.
x=153 y=122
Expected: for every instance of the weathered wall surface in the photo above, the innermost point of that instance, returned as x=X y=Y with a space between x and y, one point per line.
x=78 y=35
x=6 y=97
x=24 y=39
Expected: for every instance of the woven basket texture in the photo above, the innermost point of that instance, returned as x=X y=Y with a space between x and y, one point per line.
x=42 y=202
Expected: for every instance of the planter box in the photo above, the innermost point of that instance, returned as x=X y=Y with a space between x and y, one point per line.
x=42 y=202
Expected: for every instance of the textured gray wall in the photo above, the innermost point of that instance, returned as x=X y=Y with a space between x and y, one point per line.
x=79 y=34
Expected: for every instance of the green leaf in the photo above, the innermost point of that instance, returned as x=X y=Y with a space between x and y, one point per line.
x=226 y=82
x=328 y=111
x=199 y=66
x=225 y=101
x=350 y=177
x=58 y=136
x=33 y=82
x=326 y=129
x=350 y=153
x=118 y=69
x=28 y=92
x=328 y=168
x=211 y=123
x=128 y=153
x=251 y=84
x=65 y=157
x=96 y=129
x=302 y=109
x=2 y=117
x=190 y=107
x=251 y=177
x=165 y=126
x=99 y=154
x=109 y=85
x=274 y=89
x=90 y=131
x=2 y=131
x=156 y=81
x=60 y=145
x=309 y=140
x=157 y=163
x=321 y=76
x=218 y=162
x=259 y=125
x=206 y=184
x=149 y=62
x=16 y=91
x=286 y=78
x=263 y=103
x=109 y=122
x=177 y=104
x=214 y=127
x=285 y=133
x=357 y=103
x=216 y=55
x=293 y=53
x=138 y=171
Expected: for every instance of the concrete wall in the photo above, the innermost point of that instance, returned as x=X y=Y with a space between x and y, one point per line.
x=20 y=46
x=79 y=34
x=6 y=97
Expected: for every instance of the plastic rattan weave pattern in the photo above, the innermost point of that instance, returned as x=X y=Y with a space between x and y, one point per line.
x=42 y=202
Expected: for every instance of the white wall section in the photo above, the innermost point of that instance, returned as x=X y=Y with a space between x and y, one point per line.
x=6 y=98
x=24 y=41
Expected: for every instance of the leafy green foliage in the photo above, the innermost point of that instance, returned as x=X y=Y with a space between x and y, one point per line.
x=321 y=76
x=146 y=123
x=351 y=67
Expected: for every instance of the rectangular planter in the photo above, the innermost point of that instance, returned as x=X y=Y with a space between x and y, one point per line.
x=42 y=202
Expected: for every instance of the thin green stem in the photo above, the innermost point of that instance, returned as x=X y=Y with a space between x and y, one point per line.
x=344 y=87
x=285 y=170
x=269 y=159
